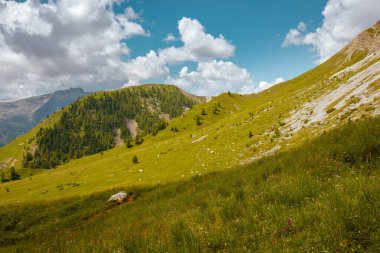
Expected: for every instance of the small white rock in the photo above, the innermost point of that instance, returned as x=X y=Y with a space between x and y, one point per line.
x=118 y=197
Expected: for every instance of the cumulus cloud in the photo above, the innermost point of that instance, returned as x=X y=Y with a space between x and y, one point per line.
x=169 y=38
x=144 y=68
x=263 y=85
x=61 y=44
x=212 y=77
x=343 y=20
x=197 y=44
x=70 y=43
x=131 y=14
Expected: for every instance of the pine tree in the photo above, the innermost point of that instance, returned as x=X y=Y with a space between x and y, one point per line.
x=215 y=110
x=135 y=159
x=250 y=135
x=2 y=177
x=14 y=174
x=129 y=143
x=198 y=120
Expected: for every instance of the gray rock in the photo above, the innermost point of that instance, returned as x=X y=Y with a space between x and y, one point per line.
x=119 y=197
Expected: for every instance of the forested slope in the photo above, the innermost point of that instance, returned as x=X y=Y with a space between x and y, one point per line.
x=89 y=125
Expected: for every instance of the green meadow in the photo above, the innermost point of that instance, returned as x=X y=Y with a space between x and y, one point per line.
x=323 y=196
x=228 y=175
x=210 y=137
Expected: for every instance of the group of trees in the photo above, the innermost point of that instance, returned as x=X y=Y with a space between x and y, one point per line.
x=13 y=175
x=88 y=125
x=215 y=110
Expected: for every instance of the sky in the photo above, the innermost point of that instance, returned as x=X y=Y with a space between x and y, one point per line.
x=205 y=47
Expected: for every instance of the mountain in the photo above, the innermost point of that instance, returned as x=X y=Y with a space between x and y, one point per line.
x=227 y=131
x=292 y=167
x=18 y=117
x=104 y=120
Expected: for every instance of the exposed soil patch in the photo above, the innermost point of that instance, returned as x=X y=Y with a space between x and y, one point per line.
x=132 y=126
x=118 y=140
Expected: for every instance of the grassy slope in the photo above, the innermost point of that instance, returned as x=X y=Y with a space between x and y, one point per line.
x=322 y=196
x=172 y=156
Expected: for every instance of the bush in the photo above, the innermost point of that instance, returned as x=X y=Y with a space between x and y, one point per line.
x=14 y=174
x=198 y=120
x=138 y=140
x=2 y=178
x=135 y=159
x=330 y=110
x=129 y=143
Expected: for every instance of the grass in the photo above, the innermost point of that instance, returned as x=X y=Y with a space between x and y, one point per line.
x=321 y=196
x=172 y=156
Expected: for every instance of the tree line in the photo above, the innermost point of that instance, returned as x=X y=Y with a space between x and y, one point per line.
x=88 y=125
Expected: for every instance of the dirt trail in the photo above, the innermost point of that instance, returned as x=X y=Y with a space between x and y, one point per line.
x=200 y=138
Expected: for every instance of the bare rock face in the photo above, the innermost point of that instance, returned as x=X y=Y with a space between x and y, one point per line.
x=132 y=127
x=369 y=41
x=119 y=197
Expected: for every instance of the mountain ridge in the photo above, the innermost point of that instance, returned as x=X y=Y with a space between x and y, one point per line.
x=228 y=131
x=18 y=117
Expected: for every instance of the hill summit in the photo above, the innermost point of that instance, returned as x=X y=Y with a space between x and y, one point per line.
x=368 y=41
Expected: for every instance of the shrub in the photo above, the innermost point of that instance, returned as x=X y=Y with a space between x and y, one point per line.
x=330 y=110
x=198 y=120
x=135 y=159
x=14 y=174
x=3 y=179
x=138 y=140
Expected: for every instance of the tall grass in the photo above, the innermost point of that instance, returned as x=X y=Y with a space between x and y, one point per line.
x=323 y=196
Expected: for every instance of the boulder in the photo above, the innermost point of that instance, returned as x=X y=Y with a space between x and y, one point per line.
x=119 y=197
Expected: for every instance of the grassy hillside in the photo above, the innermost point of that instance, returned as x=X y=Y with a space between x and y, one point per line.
x=210 y=137
x=322 y=196
x=228 y=131
x=103 y=120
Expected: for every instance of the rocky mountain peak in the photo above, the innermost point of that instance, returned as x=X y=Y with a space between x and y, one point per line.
x=367 y=41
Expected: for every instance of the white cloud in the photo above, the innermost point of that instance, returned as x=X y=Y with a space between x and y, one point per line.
x=212 y=78
x=301 y=26
x=144 y=68
x=169 y=38
x=343 y=20
x=70 y=43
x=263 y=85
x=131 y=14
x=198 y=45
x=60 y=44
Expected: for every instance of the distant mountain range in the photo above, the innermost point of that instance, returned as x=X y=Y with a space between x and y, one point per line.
x=18 y=117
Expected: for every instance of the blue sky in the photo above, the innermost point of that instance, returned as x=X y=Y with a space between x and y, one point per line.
x=257 y=28
x=216 y=46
